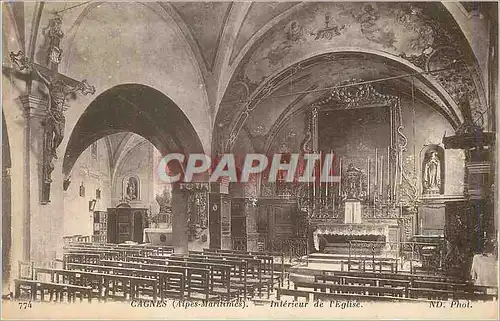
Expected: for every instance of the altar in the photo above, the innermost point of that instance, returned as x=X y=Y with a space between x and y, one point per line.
x=158 y=236
x=343 y=234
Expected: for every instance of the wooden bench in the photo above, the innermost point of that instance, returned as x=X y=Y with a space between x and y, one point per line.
x=170 y=284
x=108 y=253
x=103 y=254
x=373 y=281
x=254 y=271
x=220 y=274
x=54 y=290
x=81 y=257
x=104 y=285
x=398 y=276
x=197 y=280
x=238 y=272
x=325 y=296
x=280 y=273
x=352 y=288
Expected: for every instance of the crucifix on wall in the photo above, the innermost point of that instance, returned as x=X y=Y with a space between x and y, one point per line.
x=59 y=88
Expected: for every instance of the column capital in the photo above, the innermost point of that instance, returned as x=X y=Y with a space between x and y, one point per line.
x=191 y=187
x=34 y=106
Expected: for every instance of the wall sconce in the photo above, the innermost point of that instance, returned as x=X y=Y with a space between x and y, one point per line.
x=92 y=205
x=82 y=190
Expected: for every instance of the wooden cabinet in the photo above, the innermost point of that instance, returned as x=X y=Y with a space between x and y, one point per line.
x=126 y=224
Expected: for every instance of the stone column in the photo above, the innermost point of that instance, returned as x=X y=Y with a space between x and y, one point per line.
x=43 y=212
x=251 y=212
x=34 y=112
x=190 y=216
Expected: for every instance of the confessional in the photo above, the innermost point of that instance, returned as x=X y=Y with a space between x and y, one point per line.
x=126 y=224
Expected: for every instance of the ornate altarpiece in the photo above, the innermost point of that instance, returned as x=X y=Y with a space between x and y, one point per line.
x=382 y=203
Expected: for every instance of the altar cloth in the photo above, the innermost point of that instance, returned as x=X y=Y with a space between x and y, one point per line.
x=158 y=236
x=484 y=270
x=349 y=229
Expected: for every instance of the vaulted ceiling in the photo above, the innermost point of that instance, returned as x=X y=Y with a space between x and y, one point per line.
x=244 y=49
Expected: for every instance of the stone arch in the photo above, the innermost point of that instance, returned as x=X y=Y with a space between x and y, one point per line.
x=133 y=108
x=428 y=87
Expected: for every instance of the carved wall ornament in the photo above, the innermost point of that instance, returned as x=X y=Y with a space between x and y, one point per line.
x=353 y=180
x=197 y=209
x=164 y=200
x=356 y=93
x=55 y=34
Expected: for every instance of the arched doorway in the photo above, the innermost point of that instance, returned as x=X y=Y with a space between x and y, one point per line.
x=140 y=111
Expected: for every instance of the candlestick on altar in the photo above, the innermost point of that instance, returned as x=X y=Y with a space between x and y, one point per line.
x=327 y=183
x=368 y=174
x=381 y=174
x=376 y=170
x=388 y=173
x=340 y=174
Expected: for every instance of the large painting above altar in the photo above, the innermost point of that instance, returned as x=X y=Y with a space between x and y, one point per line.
x=356 y=135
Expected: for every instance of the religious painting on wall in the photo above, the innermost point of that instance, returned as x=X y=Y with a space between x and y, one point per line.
x=131 y=188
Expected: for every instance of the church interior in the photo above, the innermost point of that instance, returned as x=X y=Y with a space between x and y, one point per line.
x=403 y=94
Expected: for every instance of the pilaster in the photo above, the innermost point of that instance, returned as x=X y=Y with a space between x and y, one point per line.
x=34 y=112
x=251 y=224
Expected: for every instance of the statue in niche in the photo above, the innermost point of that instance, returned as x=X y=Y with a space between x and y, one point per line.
x=132 y=189
x=432 y=174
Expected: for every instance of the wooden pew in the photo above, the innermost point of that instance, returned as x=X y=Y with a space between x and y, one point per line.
x=238 y=271
x=325 y=296
x=81 y=257
x=254 y=272
x=373 y=281
x=104 y=284
x=103 y=254
x=59 y=290
x=279 y=274
x=417 y=286
x=170 y=284
x=220 y=274
x=145 y=249
x=108 y=253
x=197 y=279
x=398 y=276
x=352 y=288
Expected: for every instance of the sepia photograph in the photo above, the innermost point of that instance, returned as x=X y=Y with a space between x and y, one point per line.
x=249 y=160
